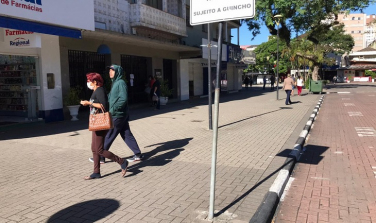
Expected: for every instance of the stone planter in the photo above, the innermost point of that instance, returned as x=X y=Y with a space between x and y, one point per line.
x=163 y=100
x=73 y=110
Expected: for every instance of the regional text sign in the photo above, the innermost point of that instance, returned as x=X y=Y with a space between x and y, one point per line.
x=209 y=11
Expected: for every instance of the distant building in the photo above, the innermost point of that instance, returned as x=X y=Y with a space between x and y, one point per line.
x=361 y=27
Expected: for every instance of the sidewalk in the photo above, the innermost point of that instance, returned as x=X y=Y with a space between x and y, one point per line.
x=334 y=181
x=43 y=165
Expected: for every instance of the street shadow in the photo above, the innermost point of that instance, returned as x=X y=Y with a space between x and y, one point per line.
x=312 y=155
x=88 y=211
x=36 y=129
x=174 y=148
x=223 y=210
x=255 y=116
x=295 y=102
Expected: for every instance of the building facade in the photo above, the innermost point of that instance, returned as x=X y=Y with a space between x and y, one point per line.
x=145 y=37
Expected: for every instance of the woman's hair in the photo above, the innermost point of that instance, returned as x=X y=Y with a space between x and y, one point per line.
x=95 y=77
x=299 y=77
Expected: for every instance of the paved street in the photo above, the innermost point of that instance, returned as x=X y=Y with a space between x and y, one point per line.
x=335 y=178
x=43 y=165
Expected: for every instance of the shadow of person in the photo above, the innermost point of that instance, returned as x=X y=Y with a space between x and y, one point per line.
x=84 y=211
x=159 y=160
x=151 y=160
x=295 y=102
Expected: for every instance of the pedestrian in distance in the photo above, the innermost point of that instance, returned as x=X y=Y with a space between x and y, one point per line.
x=334 y=79
x=118 y=108
x=246 y=82
x=99 y=101
x=264 y=81
x=288 y=83
x=299 y=85
x=293 y=87
x=151 y=93
x=157 y=92
x=272 y=81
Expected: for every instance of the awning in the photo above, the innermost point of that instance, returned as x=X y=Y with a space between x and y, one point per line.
x=24 y=25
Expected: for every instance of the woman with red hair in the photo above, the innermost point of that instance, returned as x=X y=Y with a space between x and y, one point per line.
x=98 y=100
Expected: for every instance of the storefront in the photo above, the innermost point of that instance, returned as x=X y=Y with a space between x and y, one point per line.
x=18 y=85
x=30 y=71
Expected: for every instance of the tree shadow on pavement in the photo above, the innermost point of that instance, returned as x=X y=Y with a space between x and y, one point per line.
x=35 y=129
x=312 y=155
x=251 y=189
x=88 y=211
x=176 y=147
x=255 y=116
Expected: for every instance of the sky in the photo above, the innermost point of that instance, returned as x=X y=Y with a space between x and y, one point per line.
x=246 y=35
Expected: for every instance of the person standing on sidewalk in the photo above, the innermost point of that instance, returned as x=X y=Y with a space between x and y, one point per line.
x=288 y=83
x=157 y=91
x=98 y=100
x=118 y=102
x=272 y=81
x=299 y=85
x=151 y=93
x=264 y=81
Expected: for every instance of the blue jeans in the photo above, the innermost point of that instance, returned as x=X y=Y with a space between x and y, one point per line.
x=121 y=126
x=288 y=93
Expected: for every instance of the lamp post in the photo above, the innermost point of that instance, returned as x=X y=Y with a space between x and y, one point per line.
x=277 y=21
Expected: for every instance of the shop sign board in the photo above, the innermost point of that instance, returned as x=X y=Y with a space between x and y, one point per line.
x=213 y=50
x=210 y=11
x=249 y=57
x=68 y=13
x=21 y=39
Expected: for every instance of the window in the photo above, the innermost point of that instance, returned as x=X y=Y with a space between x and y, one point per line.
x=155 y=4
x=359 y=31
x=359 y=18
x=352 y=31
x=353 y=18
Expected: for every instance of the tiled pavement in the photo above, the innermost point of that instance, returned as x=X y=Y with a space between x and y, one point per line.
x=335 y=178
x=43 y=165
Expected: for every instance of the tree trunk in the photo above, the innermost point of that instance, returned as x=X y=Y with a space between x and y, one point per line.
x=315 y=73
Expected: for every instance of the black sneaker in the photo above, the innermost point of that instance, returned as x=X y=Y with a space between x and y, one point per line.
x=102 y=161
x=136 y=158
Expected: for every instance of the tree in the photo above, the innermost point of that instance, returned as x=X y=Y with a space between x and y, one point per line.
x=313 y=17
x=269 y=49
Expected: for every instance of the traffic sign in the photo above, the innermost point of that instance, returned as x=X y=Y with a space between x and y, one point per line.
x=209 y=11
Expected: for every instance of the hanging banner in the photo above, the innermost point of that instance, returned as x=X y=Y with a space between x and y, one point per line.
x=21 y=39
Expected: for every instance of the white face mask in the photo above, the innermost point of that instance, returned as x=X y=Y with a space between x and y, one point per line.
x=89 y=86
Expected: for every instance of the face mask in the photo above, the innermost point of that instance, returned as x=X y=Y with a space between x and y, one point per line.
x=89 y=86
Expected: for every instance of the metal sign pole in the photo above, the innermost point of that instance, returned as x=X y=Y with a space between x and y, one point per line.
x=209 y=80
x=215 y=130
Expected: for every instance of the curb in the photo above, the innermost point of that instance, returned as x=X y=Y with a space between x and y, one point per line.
x=267 y=208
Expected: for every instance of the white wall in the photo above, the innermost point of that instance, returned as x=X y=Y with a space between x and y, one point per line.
x=50 y=63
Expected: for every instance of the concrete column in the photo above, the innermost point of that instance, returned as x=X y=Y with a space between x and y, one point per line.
x=52 y=100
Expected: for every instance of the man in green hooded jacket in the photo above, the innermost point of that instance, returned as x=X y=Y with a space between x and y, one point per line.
x=118 y=104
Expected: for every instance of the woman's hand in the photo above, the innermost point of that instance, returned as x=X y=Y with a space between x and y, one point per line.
x=85 y=103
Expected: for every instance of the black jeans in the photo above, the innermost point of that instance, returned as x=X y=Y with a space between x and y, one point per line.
x=121 y=126
x=288 y=94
